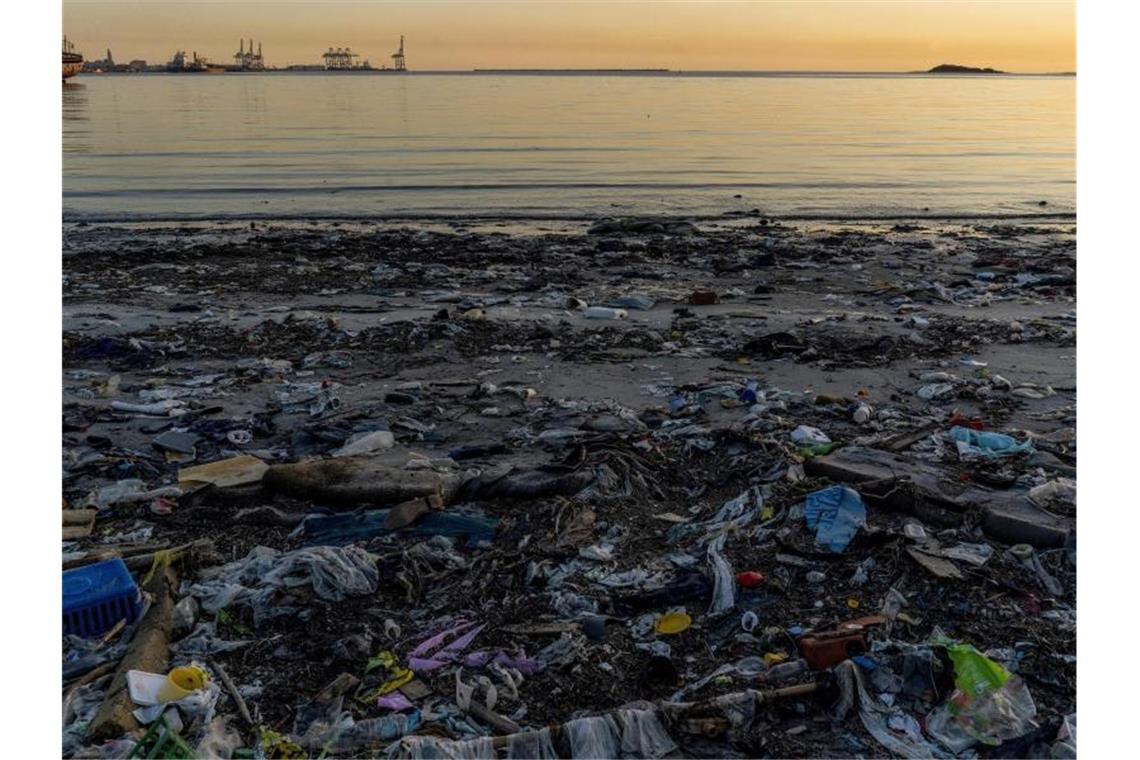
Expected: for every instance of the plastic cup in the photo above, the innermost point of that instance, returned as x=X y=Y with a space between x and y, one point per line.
x=181 y=683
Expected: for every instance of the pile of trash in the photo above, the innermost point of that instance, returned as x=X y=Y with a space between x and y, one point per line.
x=641 y=502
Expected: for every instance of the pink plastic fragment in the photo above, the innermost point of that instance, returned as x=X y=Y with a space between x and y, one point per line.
x=396 y=702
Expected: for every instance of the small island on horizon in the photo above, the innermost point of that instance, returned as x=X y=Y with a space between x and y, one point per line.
x=954 y=68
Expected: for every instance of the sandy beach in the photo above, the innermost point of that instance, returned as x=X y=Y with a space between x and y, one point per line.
x=478 y=345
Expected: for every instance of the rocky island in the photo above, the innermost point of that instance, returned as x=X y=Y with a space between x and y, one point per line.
x=954 y=68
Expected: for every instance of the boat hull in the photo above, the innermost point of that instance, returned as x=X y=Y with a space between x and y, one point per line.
x=71 y=69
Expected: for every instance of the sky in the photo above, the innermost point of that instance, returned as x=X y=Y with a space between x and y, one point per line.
x=803 y=35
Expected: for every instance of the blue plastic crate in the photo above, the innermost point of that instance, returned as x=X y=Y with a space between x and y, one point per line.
x=97 y=596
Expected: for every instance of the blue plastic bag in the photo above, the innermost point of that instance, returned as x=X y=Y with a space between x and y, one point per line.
x=835 y=514
x=985 y=445
x=345 y=528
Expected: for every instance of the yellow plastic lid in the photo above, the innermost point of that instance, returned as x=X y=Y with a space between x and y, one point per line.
x=673 y=622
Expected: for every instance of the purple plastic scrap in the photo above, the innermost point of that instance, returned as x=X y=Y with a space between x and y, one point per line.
x=431 y=654
x=520 y=662
x=396 y=702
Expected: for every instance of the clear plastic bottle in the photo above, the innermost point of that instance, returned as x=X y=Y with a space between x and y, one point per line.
x=784 y=671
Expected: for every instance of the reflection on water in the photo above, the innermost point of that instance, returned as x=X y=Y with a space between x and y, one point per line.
x=305 y=144
x=76 y=127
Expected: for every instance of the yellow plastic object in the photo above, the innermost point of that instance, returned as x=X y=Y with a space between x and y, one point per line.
x=673 y=622
x=181 y=683
x=277 y=746
x=774 y=658
x=161 y=561
x=853 y=604
x=397 y=676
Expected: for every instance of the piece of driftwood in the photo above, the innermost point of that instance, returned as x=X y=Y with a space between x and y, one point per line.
x=243 y=710
x=148 y=651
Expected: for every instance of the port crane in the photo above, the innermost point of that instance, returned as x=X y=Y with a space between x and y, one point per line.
x=398 y=57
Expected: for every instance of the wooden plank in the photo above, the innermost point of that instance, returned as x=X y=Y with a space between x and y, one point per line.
x=78 y=523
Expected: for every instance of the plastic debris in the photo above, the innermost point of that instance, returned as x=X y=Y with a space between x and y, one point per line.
x=835 y=514
x=673 y=623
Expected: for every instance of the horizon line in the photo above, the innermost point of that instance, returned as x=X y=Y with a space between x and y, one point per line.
x=284 y=68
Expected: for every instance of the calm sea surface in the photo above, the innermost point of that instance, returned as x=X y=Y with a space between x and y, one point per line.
x=286 y=145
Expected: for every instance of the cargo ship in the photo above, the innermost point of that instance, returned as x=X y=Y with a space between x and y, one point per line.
x=72 y=61
x=181 y=64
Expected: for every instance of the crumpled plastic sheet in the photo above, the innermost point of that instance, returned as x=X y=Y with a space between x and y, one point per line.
x=633 y=578
x=724 y=588
x=835 y=514
x=893 y=728
x=78 y=710
x=607 y=486
x=1003 y=714
x=700 y=683
x=1066 y=745
x=199 y=706
x=335 y=573
x=204 y=640
x=974 y=554
x=572 y=605
x=349 y=737
x=974 y=444
x=555 y=576
x=562 y=651
x=738 y=512
x=312 y=720
x=531 y=745
x=643 y=735
x=84 y=655
x=425 y=747
x=219 y=741
x=739 y=708
x=1059 y=493
x=597 y=736
x=131 y=490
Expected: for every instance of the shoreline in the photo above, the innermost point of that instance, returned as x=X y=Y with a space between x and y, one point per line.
x=625 y=72
x=397 y=217
x=475 y=349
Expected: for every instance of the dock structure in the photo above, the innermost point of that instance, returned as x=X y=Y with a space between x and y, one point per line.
x=247 y=60
x=398 y=62
x=340 y=58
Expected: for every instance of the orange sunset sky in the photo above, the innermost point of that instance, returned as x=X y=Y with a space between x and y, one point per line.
x=1026 y=36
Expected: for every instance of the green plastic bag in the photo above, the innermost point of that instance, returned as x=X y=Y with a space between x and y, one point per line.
x=974 y=673
x=989 y=704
